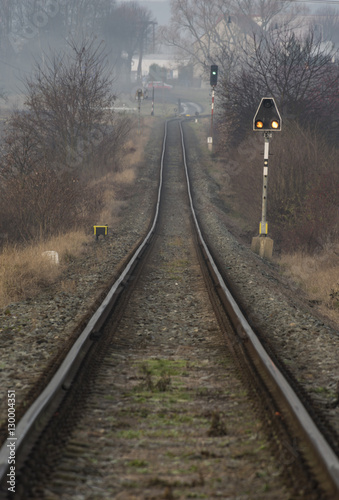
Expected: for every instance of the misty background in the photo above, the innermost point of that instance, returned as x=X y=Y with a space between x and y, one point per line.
x=68 y=61
x=132 y=31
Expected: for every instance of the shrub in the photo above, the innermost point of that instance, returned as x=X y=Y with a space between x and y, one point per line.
x=303 y=195
x=41 y=203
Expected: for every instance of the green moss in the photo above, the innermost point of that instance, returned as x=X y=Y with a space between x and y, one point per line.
x=130 y=434
x=157 y=367
x=137 y=463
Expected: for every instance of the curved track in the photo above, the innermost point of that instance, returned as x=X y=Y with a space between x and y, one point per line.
x=102 y=334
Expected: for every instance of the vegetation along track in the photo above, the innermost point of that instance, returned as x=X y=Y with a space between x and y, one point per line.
x=171 y=400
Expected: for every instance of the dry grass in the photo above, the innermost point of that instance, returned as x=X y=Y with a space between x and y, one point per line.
x=24 y=272
x=112 y=182
x=127 y=176
x=318 y=276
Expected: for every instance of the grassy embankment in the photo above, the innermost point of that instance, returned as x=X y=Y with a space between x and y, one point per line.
x=317 y=275
x=24 y=271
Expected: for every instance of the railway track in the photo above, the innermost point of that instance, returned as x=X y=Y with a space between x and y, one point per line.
x=169 y=397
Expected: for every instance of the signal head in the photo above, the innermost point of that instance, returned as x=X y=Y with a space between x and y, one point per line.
x=267 y=117
x=214 y=75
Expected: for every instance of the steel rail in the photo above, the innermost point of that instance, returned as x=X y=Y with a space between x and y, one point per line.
x=317 y=445
x=36 y=417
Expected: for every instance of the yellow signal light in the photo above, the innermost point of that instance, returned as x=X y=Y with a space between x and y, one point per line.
x=275 y=124
x=259 y=124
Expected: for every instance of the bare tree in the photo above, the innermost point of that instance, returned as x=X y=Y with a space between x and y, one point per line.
x=202 y=32
x=85 y=17
x=126 y=31
x=295 y=70
x=70 y=101
x=266 y=12
x=41 y=203
x=28 y=25
x=49 y=150
x=215 y=32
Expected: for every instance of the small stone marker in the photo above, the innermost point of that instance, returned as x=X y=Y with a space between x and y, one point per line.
x=52 y=256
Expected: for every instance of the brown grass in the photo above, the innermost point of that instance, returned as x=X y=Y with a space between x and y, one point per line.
x=24 y=272
x=127 y=176
x=318 y=276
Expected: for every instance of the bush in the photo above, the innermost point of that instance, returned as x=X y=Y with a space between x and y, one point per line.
x=41 y=203
x=303 y=194
x=51 y=152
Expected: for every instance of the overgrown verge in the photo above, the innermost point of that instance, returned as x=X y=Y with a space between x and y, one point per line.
x=66 y=137
x=303 y=181
x=26 y=271
x=318 y=276
x=65 y=162
x=303 y=204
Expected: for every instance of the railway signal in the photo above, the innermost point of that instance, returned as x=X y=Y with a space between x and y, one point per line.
x=268 y=120
x=267 y=117
x=213 y=82
x=139 y=96
x=214 y=75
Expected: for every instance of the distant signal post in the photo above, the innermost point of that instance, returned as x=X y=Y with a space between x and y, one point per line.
x=139 y=96
x=213 y=83
x=267 y=120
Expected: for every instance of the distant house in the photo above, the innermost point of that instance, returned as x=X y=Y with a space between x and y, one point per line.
x=322 y=29
x=165 y=61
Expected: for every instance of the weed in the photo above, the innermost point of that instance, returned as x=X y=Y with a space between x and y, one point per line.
x=129 y=434
x=158 y=366
x=163 y=383
x=69 y=257
x=168 y=494
x=148 y=377
x=196 y=495
x=138 y=463
x=163 y=369
x=318 y=276
x=334 y=299
x=218 y=427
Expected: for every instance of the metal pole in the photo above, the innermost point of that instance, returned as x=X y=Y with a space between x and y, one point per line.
x=152 y=112
x=212 y=109
x=139 y=106
x=263 y=223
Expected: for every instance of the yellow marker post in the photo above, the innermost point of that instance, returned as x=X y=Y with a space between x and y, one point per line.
x=100 y=230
